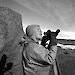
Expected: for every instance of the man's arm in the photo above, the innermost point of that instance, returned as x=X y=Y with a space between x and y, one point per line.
x=53 y=51
x=45 y=54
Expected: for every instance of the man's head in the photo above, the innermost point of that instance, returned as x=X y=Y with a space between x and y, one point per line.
x=34 y=32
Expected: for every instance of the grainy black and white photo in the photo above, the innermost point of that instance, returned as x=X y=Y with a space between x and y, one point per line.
x=37 y=37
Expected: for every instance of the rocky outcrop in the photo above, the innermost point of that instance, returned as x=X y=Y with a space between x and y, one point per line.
x=11 y=31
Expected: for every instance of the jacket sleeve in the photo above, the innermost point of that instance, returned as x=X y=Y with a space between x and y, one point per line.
x=53 y=52
x=43 y=55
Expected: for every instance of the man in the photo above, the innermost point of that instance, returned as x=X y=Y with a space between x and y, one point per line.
x=37 y=60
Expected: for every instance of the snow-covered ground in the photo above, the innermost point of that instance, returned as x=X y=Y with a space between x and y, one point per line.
x=66 y=46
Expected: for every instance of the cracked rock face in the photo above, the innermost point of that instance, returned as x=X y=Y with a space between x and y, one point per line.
x=11 y=31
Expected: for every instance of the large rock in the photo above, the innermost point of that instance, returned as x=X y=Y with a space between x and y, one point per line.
x=11 y=31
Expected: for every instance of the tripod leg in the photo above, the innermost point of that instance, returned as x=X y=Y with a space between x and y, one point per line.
x=55 y=68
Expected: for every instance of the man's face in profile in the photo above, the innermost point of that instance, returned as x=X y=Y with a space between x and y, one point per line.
x=38 y=33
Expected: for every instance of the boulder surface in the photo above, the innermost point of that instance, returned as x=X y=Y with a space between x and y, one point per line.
x=11 y=31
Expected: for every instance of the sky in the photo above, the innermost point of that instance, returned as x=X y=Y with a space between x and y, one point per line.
x=49 y=14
